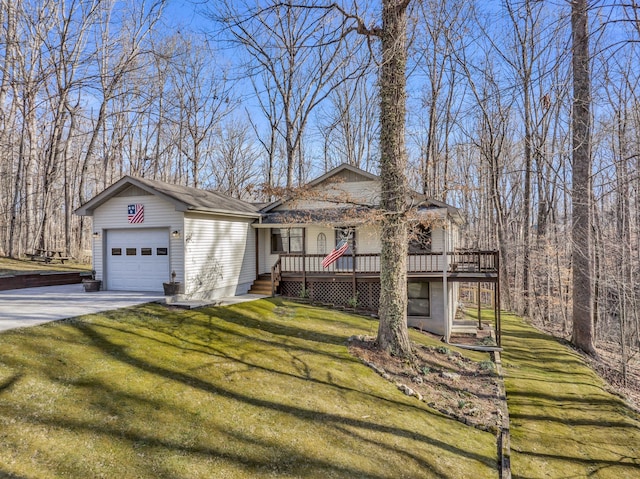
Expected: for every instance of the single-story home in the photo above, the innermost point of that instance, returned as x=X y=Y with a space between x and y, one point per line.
x=144 y=230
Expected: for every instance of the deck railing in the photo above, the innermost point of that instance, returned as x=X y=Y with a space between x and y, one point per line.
x=458 y=262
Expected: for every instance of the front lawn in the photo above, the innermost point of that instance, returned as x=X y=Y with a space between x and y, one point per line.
x=260 y=389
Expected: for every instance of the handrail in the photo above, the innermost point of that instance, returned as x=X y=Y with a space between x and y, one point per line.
x=276 y=275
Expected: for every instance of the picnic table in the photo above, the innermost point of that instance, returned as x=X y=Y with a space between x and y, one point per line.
x=48 y=256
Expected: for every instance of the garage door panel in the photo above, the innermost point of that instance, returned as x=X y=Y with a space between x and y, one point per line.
x=137 y=259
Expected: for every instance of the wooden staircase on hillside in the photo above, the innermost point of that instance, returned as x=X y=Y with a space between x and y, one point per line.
x=262 y=285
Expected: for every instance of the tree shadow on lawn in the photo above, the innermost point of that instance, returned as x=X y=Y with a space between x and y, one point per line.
x=294 y=461
x=9 y=475
x=278 y=329
x=6 y=384
x=556 y=403
x=625 y=462
x=119 y=352
x=615 y=404
x=200 y=348
x=183 y=343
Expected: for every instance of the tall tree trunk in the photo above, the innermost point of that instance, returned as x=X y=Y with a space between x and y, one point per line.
x=581 y=183
x=393 y=336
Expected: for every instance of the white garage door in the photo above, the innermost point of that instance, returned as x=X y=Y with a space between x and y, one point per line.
x=137 y=259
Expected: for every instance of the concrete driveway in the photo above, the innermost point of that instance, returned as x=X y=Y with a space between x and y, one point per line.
x=31 y=306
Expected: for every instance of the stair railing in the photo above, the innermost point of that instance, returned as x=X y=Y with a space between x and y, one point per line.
x=276 y=275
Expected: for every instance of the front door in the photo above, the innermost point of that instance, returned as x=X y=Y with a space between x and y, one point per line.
x=345 y=262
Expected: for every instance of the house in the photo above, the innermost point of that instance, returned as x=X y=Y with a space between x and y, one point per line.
x=294 y=235
x=220 y=246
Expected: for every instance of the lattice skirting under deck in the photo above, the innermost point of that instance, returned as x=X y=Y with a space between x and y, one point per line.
x=339 y=293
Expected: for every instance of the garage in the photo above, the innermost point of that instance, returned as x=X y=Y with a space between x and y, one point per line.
x=136 y=259
x=143 y=230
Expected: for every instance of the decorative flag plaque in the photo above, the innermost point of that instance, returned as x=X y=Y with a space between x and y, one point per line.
x=135 y=213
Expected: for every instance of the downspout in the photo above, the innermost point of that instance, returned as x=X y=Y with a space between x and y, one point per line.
x=257 y=246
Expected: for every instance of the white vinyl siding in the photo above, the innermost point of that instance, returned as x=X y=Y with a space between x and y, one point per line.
x=437 y=239
x=157 y=214
x=312 y=233
x=220 y=255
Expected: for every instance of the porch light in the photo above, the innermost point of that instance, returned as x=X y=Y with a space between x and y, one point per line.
x=175 y=234
x=96 y=234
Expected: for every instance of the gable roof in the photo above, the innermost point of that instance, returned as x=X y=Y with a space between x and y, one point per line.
x=419 y=199
x=343 y=168
x=183 y=198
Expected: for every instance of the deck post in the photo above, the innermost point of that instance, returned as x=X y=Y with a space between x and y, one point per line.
x=479 y=306
x=354 y=285
x=498 y=319
x=445 y=288
x=304 y=260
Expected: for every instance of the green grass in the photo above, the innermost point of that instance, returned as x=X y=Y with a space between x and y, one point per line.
x=9 y=266
x=261 y=389
x=564 y=423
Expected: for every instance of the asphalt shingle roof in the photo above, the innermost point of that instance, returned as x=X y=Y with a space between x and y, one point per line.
x=200 y=200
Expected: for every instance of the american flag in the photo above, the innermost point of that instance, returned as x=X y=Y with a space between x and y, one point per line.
x=135 y=213
x=338 y=251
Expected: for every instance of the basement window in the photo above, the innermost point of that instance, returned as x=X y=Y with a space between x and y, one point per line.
x=418 y=299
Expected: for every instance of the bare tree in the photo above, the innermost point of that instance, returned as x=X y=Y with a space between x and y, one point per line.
x=348 y=122
x=300 y=49
x=234 y=161
x=392 y=330
x=583 y=333
x=442 y=25
x=203 y=98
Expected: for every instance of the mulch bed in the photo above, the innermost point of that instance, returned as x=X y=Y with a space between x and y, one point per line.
x=465 y=390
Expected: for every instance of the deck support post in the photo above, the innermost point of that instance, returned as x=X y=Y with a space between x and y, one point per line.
x=354 y=283
x=479 y=305
x=498 y=319
x=445 y=289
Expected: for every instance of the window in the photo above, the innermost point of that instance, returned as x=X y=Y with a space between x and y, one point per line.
x=420 y=239
x=146 y=251
x=321 y=244
x=161 y=251
x=131 y=251
x=287 y=240
x=418 y=303
x=116 y=251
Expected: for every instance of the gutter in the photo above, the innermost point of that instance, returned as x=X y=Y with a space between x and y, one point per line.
x=191 y=209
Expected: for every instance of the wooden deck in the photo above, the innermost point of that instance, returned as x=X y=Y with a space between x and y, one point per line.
x=463 y=266
x=356 y=279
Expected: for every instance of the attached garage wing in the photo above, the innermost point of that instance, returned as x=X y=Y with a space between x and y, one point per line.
x=137 y=259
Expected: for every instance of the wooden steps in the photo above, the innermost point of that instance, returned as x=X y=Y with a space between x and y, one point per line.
x=262 y=285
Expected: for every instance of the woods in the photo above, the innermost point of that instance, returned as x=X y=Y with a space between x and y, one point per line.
x=91 y=90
